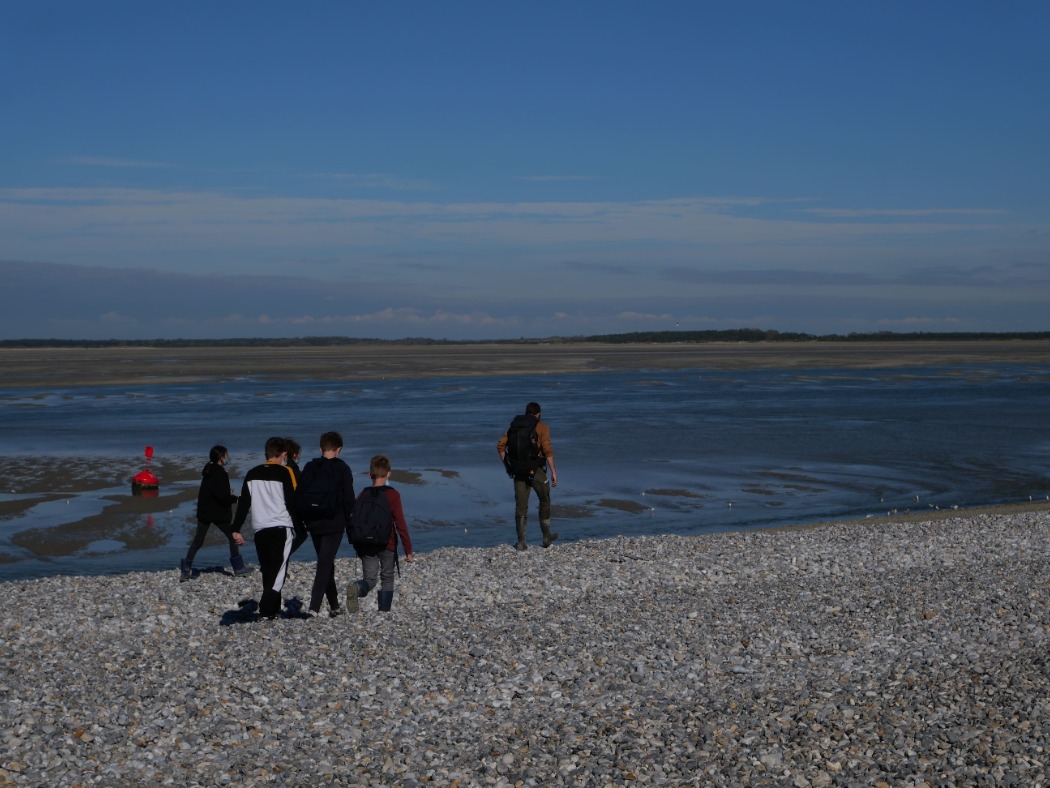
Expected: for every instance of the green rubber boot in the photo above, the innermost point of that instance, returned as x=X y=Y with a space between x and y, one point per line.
x=520 y=523
x=548 y=537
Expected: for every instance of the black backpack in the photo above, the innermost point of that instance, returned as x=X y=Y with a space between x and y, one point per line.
x=371 y=522
x=319 y=492
x=522 y=457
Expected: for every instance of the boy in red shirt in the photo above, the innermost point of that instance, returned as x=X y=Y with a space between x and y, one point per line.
x=378 y=561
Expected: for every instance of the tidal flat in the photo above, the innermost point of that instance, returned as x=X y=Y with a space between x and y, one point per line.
x=67 y=367
x=658 y=439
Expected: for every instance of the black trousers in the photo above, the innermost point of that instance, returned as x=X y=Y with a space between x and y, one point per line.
x=273 y=546
x=202 y=531
x=326 y=545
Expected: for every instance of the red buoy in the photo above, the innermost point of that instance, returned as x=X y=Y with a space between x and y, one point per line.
x=145 y=479
x=145 y=483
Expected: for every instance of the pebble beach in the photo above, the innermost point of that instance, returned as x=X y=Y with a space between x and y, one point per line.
x=911 y=653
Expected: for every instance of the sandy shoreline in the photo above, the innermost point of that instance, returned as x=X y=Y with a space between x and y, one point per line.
x=34 y=480
x=64 y=367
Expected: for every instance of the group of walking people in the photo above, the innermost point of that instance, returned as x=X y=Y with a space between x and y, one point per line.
x=288 y=505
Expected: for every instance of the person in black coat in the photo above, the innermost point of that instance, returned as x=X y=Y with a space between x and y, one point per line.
x=327 y=532
x=215 y=500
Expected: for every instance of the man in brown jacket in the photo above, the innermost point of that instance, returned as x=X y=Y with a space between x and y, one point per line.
x=526 y=453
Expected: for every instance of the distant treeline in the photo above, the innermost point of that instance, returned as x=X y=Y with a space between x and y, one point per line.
x=235 y=342
x=637 y=337
x=762 y=335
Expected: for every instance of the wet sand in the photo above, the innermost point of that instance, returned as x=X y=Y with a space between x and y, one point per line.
x=49 y=478
x=37 y=480
x=34 y=480
x=63 y=367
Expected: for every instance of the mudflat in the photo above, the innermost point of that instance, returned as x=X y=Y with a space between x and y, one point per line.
x=62 y=367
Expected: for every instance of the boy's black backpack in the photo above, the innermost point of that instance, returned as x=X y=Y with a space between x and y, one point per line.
x=319 y=491
x=371 y=522
x=522 y=457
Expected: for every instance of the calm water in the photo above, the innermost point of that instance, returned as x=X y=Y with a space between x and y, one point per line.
x=652 y=452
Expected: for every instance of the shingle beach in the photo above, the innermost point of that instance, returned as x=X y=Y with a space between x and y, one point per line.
x=887 y=654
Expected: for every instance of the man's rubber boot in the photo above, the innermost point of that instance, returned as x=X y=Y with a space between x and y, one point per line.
x=237 y=562
x=354 y=591
x=548 y=537
x=185 y=570
x=520 y=523
x=386 y=599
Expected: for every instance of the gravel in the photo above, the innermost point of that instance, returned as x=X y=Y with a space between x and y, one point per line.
x=867 y=655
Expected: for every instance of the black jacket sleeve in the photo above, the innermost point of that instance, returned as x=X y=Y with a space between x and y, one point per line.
x=244 y=503
x=348 y=493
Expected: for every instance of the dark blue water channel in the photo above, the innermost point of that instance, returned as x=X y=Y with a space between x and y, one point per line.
x=651 y=452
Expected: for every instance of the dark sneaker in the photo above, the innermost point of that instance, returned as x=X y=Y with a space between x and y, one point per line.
x=185 y=570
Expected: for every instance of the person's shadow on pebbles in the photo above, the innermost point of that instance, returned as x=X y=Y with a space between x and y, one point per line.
x=294 y=608
x=248 y=611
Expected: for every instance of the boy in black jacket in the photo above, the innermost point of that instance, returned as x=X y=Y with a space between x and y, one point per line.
x=327 y=531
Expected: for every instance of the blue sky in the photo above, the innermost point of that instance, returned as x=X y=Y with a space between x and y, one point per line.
x=477 y=170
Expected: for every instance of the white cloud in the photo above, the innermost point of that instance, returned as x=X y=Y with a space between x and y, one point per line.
x=395 y=268
x=378 y=180
x=101 y=161
x=399 y=316
x=644 y=316
x=927 y=322
x=250 y=221
x=903 y=212
x=554 y=178
x=115 y=318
